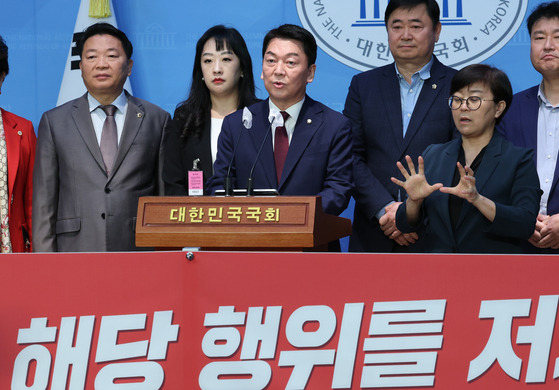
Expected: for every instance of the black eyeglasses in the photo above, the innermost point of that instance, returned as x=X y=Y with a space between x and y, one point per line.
x=473 y=102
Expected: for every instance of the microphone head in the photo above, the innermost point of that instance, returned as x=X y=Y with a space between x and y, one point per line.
x=275 y=118
x=247 y=118
x=272 y=115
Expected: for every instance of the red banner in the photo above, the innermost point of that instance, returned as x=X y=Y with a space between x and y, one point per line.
x=278 y=321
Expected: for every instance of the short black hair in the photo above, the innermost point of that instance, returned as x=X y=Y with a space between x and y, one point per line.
x=4 y=67
x=432 y=6
x=494 y=78
x=104 y=29
x=547 y=10
x=296 y=33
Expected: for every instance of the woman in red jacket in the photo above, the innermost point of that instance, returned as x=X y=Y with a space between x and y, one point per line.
x=17 y=155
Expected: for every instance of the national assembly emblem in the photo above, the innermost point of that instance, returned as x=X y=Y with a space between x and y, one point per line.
x=353 y=31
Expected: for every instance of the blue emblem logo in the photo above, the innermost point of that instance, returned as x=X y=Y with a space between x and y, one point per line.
x=354 y=33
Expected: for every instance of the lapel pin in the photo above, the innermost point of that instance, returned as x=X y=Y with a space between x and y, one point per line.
x=434 y=86
x=309 y=121
x=139 y=115
x=19 y=133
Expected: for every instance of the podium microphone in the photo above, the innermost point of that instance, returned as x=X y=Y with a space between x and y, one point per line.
x=274 y=118
x=247 y=124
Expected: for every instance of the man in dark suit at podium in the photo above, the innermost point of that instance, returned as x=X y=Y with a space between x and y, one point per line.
x=311 y=154
x=396 y=110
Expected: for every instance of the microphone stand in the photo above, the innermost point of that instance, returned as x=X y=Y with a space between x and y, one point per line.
x=250 y=183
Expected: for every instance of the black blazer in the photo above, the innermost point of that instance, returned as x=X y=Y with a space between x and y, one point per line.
x=180 y=154
x=507 y=175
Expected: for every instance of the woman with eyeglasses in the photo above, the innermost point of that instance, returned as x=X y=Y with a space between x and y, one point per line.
x=478 y=193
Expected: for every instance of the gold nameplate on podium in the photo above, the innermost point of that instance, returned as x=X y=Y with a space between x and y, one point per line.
x=291 y=223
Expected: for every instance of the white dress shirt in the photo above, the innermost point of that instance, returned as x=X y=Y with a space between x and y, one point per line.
x=289 y=124
x=98 y=116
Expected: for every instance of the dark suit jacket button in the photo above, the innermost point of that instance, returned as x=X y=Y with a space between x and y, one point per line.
x=107 y=190
x=103 y=215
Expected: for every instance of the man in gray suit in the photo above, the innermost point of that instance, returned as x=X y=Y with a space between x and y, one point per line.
x=96 y=155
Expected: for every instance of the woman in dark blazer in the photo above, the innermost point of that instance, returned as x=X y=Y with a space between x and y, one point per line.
x=486 y=196
x=17 y=139
x=222 y=82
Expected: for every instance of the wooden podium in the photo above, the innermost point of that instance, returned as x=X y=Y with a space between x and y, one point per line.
x=282 y=223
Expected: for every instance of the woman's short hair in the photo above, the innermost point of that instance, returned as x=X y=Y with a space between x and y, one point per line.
x=494 y=78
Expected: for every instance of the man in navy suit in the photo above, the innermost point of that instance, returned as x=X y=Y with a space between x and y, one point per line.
x=396 y=110
x=316 y=139
x=532 y=122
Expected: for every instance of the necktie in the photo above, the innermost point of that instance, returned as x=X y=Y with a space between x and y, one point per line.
x=281 y=145
x=109 y=143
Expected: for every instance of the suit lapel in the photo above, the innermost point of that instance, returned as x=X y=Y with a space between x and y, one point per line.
x=203 y=150
x=84 y=126
x=555 y=179
x=529 y=110
x=430 y=93
x=447 y=167
x=489 y=163
x=13 y=148
x=258 y=132
x=390 y=90
x=308 y=122
x=132 y=122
